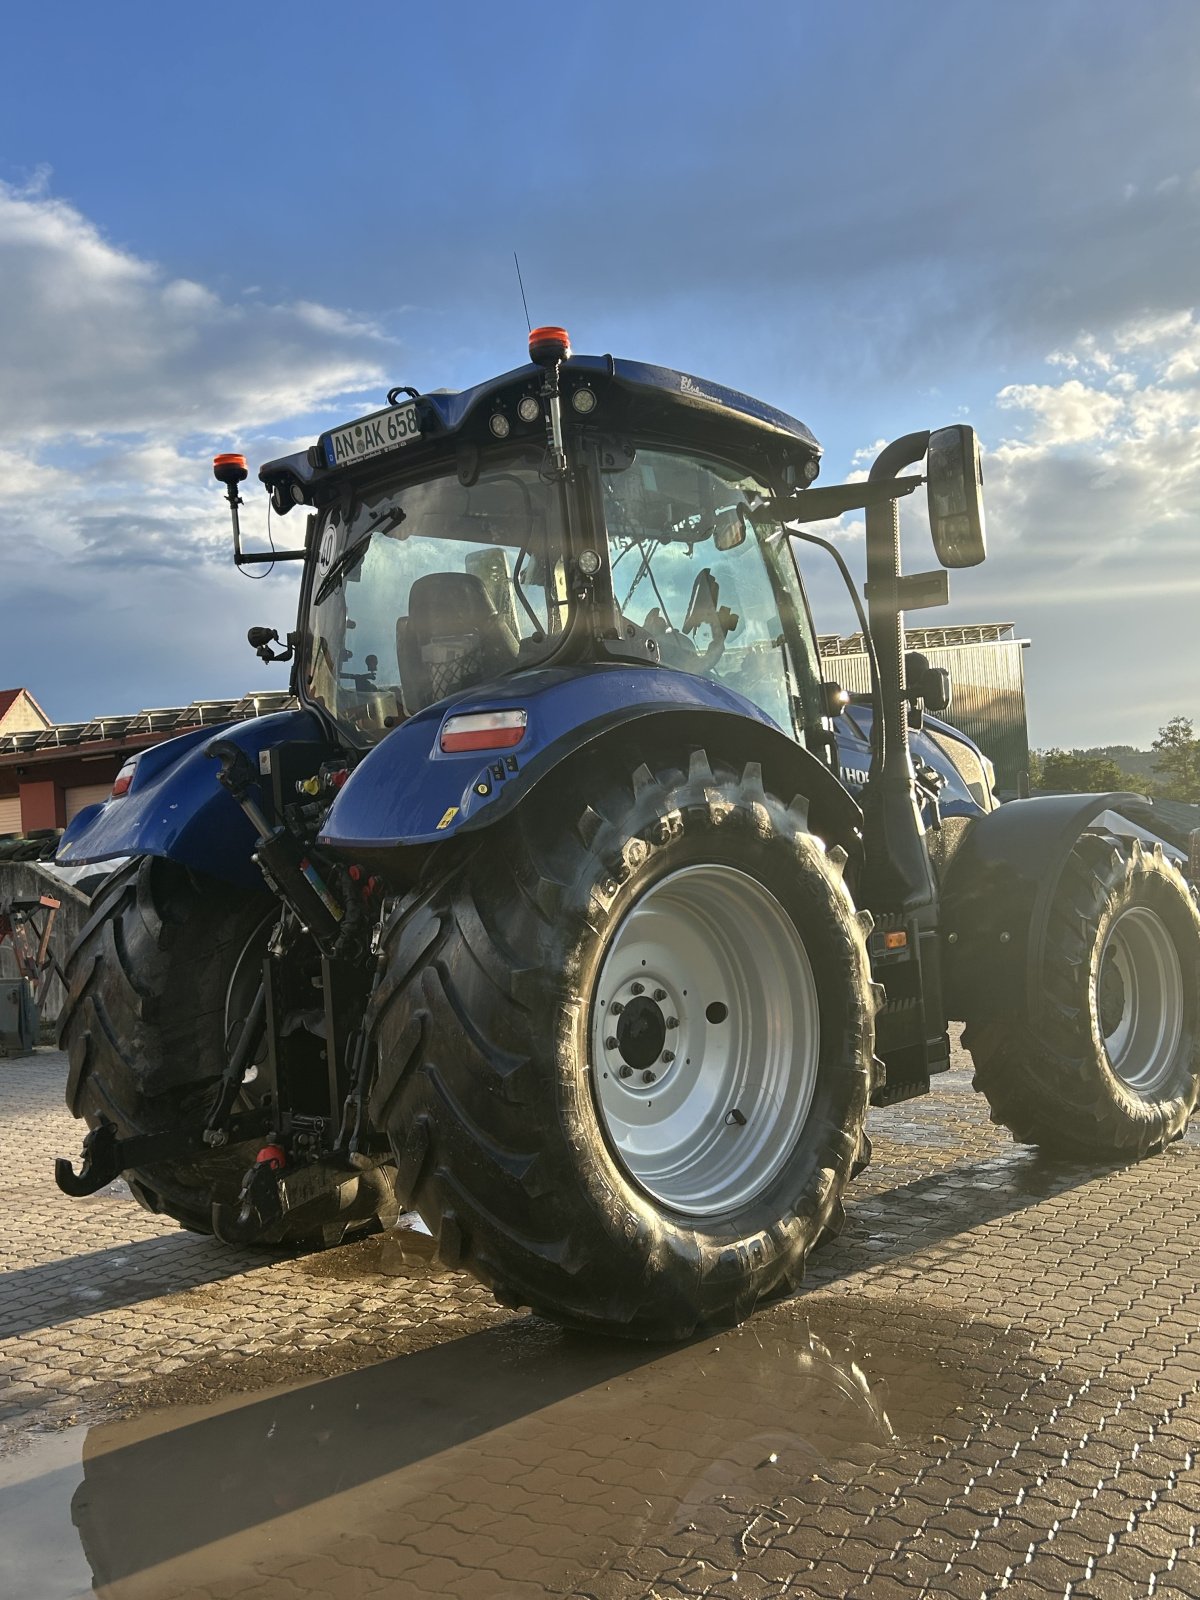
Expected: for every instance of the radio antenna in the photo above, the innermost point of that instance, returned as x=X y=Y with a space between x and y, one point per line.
x=521 y=286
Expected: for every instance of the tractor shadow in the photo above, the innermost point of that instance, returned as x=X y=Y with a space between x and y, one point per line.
x=563 y=1450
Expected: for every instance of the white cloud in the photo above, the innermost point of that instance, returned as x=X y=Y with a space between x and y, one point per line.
x=21 y=476
x=1064 y=413
x=1094 y=523
x=98 y=341
x=119 y=383
x=866 y=453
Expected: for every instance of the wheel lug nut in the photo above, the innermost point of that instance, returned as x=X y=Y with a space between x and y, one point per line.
x=667 y=1055
x=610 y=1043
x=616 y=1008
x=626 y=1071
x=672 y=1022
x=647 y=1077
x=660 y=994
x=638 y=988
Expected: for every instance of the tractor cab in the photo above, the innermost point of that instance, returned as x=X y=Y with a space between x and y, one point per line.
x=580 y=510
x=425 y=587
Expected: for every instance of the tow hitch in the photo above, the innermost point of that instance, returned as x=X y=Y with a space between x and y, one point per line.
x=105 y=1156
x=333 y=1194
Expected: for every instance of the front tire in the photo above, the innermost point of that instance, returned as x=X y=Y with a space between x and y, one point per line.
x=1113 y=1066
x=572 y=1192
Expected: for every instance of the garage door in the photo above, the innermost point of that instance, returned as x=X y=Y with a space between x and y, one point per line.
x=87 y=794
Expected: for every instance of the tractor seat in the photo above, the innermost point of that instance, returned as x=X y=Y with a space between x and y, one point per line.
x=451 y=638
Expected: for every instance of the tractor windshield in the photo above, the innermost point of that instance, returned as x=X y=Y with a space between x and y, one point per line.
x=429 y=587
x=699 y=565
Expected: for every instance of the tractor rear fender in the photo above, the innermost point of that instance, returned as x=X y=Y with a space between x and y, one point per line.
x=176 y=808
x=998 y=891
x=409 y=792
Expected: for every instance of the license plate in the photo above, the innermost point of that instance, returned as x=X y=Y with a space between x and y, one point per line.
x=372 y=436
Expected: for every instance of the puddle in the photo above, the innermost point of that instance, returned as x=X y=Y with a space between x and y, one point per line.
x=39 y=1553
x=518 y=1451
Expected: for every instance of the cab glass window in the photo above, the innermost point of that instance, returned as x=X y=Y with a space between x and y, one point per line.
x=426 y=588
x=697 y=563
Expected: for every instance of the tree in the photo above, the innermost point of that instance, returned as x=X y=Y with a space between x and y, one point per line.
x=1178 y=763
x=1077 y=772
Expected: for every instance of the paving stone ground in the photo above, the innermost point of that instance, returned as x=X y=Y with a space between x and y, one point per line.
x=991 y=1385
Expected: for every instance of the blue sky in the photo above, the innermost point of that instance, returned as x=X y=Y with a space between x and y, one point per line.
x=228 y=228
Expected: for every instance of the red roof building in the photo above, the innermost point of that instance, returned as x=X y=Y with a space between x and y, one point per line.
x=49 y=771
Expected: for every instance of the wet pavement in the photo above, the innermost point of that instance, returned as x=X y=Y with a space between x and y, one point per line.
x=991 y=1385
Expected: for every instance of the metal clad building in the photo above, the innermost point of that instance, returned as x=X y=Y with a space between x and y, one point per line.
x=987 y=675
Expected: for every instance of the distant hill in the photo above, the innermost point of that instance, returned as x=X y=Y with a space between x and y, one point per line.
x=1135 y=763
x=1072 y=771
x=1170 y=768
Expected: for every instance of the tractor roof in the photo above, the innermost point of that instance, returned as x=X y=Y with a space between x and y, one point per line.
x=643 y=396
x=659 y=383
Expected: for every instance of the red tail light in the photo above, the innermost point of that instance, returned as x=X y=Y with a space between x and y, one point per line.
x=123 y=779
x=483 y=730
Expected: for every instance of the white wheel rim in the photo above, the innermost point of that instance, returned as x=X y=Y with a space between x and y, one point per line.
x=1139 y=1000
x=704 y=1040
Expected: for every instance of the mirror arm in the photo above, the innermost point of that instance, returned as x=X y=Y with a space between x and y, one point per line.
x=266 y=557
x=254 y=558
x=815 y=505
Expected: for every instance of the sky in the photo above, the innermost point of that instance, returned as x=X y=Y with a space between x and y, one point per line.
x=231 y=227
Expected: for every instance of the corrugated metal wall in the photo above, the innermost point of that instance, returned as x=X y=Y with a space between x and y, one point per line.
x=988 y=703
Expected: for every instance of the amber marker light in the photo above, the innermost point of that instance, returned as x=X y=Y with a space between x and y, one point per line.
x=230 y=469
x=547 y=345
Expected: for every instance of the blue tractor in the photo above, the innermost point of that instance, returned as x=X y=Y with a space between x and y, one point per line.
x=573 y=907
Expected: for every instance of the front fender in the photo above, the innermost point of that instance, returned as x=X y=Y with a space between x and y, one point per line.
x=177 y=809
x=997 y=896
x=408 y=791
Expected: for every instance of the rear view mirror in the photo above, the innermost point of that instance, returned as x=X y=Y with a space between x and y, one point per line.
x=836 y=699
x=955 y=482
x=730 y=530
x=926 y=683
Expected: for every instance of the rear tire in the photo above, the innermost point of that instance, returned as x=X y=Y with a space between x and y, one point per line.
x=145 y=1022
x=1114 y=1067
x=491 y=1051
